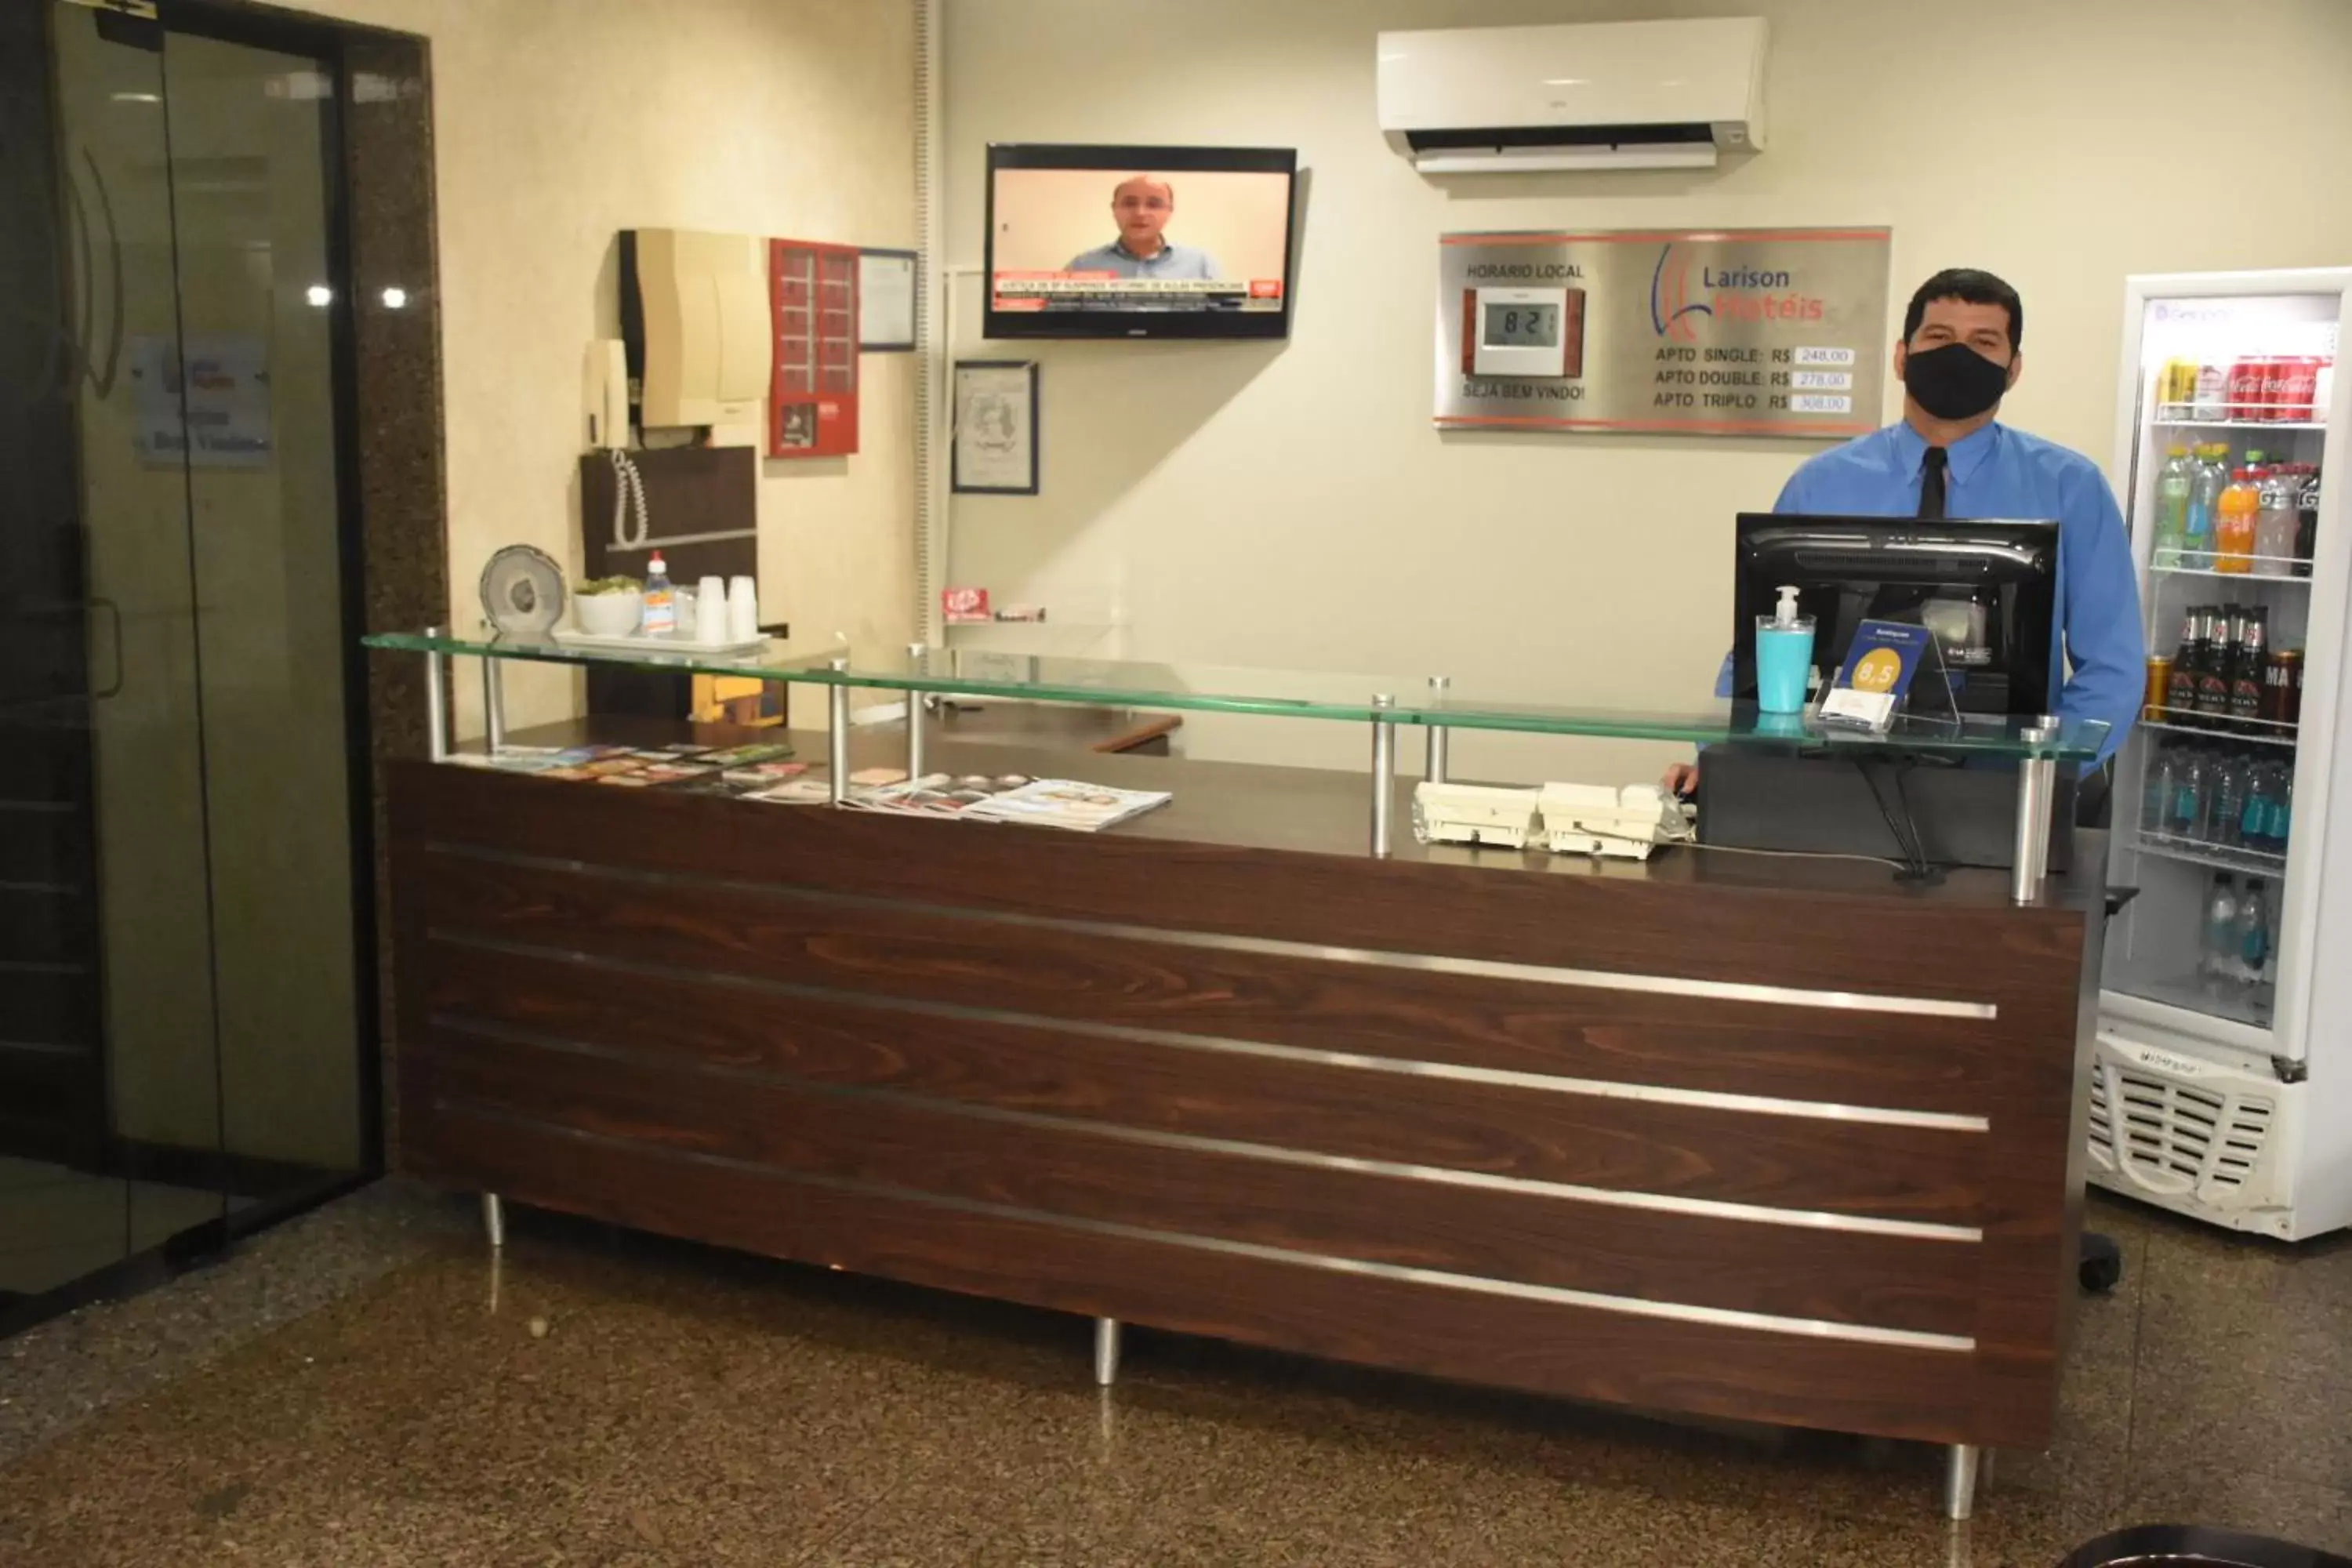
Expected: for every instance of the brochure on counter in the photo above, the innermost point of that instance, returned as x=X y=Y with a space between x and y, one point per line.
x=764 y=771
x=1044 y=803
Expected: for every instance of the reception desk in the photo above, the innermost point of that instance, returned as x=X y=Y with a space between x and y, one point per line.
x=1770 y=1138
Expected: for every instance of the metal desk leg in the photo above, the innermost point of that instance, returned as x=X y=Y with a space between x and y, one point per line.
x=436 y=700
x=1960 y=1481
x=1106 y=1351
x=494 y=1218
x=1383 y=776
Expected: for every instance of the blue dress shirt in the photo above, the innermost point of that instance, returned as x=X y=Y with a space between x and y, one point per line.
x=1997 y=472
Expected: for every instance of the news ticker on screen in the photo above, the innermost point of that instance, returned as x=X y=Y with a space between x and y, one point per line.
x=1108 y=292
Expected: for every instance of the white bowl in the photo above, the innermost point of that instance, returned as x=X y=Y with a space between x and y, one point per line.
x=609 y=614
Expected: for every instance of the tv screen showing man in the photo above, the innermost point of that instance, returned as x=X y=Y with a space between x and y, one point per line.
x=1179 y=241
x=1142 y=205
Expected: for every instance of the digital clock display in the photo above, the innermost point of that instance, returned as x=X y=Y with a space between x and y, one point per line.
x=1522 y=326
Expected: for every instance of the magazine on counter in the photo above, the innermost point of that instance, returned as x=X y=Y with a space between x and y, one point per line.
x=1066 y=803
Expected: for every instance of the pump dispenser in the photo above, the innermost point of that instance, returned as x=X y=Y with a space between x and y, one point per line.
x=1784 y=656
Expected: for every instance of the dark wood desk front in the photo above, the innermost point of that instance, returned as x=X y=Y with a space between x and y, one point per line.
x=1730 y=1135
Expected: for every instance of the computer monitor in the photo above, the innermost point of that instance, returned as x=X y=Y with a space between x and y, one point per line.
x=1988 y=588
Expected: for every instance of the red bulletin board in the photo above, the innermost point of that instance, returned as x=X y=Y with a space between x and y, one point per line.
x=813 y=387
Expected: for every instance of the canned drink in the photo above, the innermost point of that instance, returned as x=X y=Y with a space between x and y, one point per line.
x=2301 y=401
x=2283 y=687
x=2156 y=700
x=2277 y=371
x=2246 y=393
x=2212 y=392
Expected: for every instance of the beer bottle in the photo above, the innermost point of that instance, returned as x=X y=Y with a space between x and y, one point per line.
x=2181 y=688
x=2246 y=668
x=2222 y=626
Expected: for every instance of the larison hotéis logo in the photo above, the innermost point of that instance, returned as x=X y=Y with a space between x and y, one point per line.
x=1732 y=293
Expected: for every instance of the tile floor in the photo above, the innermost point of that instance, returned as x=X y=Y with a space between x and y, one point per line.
x=366 y=1387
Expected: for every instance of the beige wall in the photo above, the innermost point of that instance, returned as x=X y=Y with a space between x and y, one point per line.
x=559 y=123
x=1290 y=506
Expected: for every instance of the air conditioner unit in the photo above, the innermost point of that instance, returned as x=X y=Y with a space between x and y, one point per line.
x=1606 y=95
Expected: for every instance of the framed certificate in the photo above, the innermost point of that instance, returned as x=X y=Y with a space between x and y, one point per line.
x=995 y=451
x=886 y=301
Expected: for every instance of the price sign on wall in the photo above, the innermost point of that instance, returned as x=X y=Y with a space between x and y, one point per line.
x=1738 y=331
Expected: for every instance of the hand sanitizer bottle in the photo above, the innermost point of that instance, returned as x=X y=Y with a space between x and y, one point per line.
x=661 y=600
x=1784 y=657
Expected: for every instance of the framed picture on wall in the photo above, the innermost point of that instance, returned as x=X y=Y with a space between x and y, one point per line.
x=886 y=301
x=995 y=449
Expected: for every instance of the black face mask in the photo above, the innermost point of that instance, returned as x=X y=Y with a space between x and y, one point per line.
x=1953 y=382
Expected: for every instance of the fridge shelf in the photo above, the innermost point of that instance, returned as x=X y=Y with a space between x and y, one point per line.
x=2191 y=993
x=2196 y=852
x=2238 y=424
x=2267 y=735
x=2302 y=576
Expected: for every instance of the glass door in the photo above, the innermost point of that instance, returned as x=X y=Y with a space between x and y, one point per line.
x=2223 y=501
x=181 y=885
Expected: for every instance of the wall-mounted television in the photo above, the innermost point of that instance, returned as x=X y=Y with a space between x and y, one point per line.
x=1139 y=242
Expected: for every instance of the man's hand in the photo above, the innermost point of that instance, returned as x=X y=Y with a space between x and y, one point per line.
x=1681 y=779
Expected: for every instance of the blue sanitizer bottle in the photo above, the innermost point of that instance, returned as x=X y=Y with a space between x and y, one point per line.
x=1784 y=657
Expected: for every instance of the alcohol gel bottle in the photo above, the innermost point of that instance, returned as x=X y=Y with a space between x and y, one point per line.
x=1784 y=657
x=661 y=599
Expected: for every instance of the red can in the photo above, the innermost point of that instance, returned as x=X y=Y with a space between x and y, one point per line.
x=2300 y=402
x=2245 y=400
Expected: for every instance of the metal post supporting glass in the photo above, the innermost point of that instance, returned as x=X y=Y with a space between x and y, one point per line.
x=493 y=705
x=2037 y=789
x=1438 y=733
x=837 y=736
x=436 y=700
x=494 y=1218
x=1383 y=775
x=915 y=738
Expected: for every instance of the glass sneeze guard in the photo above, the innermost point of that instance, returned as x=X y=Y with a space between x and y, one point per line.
x=1324 y=695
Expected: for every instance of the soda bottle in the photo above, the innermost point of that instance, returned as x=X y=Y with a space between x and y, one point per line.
x=2171 y=507
x=2248 y=665
x=2180 y=686
x=2254 y=935
x=2275 y=522
x=2221 y=637
x=2206 y=480
x=2233 y=523
x=2221 y=945
x=2307 y=519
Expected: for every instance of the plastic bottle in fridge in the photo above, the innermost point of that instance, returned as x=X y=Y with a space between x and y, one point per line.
x=2254 y=943
x=2172 y=482
x=2228 y=791
x=2156 y=793
x=2275 y=522
x=2306 y=517
x=2233 y=523
x=2191 y=784
x=2206 y=480
x=2220 y=959
x=2255 y=816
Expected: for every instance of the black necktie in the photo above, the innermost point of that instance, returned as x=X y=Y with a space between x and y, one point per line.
x=1931 y=482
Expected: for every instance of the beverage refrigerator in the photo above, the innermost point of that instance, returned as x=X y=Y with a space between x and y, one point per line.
x=2223 y=1085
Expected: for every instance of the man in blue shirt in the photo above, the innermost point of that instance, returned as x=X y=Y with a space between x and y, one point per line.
x=1949 y=458
x=1141 y=207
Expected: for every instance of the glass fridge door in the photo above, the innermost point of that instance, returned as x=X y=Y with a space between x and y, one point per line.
x=2221 y=499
